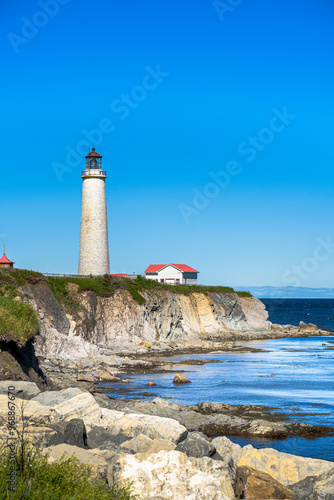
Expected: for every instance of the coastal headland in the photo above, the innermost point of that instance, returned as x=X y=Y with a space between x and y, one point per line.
x=61 y=337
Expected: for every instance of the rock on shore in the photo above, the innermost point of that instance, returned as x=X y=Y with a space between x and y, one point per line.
x=215 y=419
x=162 y=458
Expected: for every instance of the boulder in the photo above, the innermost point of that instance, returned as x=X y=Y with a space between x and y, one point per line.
x=196 y=445
x=72 y=432
x=181 y=379
x=312 y=326
x=309 y=326
x=145 y=344
x=82 y=406
x=23 y=390
x=40 y=435
x=53 y=398
x=143 y=444
x=107 y=377
x=251 y=484
x=285 y=468
x=96 y=459
x=226 y=448
x=100 y=438
x=171 y=475
x=214 y=419
x=151 y=384
x=36 y=414
x=303 y=490
x=126 y=381
x=109 y=417
x=153 y=427
x=311 y=488
x=324 y=486
x=228 y=452
x=86 y=377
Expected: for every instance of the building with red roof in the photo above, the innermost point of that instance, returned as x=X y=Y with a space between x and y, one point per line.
x=172 y=274
x=4 y=262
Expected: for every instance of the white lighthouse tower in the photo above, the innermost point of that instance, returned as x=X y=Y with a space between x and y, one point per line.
x=94 y=248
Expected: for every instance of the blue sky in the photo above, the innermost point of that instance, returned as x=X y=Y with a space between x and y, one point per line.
x=185 y=93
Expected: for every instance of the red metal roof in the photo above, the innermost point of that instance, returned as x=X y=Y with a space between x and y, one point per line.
x=4 y=260
x=154 y=268
x=185 y=268
x=93 y=154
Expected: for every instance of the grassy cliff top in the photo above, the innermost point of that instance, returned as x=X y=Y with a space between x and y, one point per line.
x=18 y=321
x=105 y=285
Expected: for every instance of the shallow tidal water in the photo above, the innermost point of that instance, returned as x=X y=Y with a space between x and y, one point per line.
x=293 y=375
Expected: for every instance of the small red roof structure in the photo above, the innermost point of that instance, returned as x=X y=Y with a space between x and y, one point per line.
x=154 y=268
x=93 y=154
x=4 y=262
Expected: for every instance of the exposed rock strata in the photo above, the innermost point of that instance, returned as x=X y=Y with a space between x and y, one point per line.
x=214 y=419
x=284 y=467
x=117 y=319
x=315 y=487
x=251 y=484
x=121 y=446
x=117 y=322
x=172 y=475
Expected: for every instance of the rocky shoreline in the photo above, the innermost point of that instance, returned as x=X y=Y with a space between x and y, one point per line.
x=210 y=418
x=168 y=450
x=163 y=457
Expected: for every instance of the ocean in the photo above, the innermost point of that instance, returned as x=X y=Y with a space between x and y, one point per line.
x=292 y=311
x=294 y=375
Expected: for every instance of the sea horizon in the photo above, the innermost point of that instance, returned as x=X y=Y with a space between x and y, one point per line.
x=287 y=292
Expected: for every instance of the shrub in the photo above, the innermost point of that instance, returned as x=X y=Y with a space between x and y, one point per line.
x=244 y=294
x=63 y=479
x=17 y=319
x=26 y=474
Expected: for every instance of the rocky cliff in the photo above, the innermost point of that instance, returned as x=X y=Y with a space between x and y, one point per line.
x=117 y=319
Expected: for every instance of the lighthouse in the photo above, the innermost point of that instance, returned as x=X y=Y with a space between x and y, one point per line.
x=94 y=248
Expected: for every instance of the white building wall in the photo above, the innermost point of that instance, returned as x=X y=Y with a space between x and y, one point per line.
x=171 y=273
x=153 y=276
x=94 y=248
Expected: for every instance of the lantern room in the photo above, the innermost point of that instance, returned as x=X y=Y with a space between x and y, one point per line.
x=93 y=165
x=93 y=160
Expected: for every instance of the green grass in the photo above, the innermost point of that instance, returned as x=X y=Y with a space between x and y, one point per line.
x=101 y=285
x=64 y=297
x=144 y=284
x=17 y=320
x=106 y=285
x=25 y=273
x=244 y=294
x=10 y=280
x=65 y=479
x=17 y=277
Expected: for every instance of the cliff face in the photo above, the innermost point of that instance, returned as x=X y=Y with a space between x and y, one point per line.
x=117 y=319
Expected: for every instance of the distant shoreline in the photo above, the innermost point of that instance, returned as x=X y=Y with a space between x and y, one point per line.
x=288 y=292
